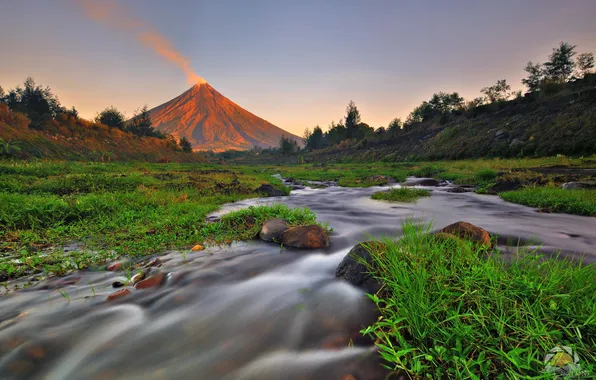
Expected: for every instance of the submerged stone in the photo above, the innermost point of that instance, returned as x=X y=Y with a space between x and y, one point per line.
x=354 y=268
x=269 y=191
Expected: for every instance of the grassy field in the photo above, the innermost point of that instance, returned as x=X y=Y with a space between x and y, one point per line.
x=450 y=312
x=401 y=195
x=116 y=210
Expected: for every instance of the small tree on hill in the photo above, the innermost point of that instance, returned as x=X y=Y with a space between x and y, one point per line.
x=316 y=140
x=336 y=133
x=287 y=145
x=535 y=76
x=352 y=120
x=394 y=127
x=111 y=117
x=185 y=145
x=2 y=95
x=585 y=63
x=561 y=64
x=497 y=92
x=141 y=124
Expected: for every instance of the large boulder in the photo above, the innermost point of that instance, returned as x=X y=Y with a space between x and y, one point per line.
x=273 y=229
x=312 y=236
x=578 y=185
x=469 y=231
x=269 y=191
x=354 y=268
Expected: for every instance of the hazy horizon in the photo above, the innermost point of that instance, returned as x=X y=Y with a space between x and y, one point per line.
x=295 y=65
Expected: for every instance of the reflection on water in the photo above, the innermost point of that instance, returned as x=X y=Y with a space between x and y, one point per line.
x=250 y=310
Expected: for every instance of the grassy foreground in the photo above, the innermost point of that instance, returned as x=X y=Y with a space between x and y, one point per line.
x=403 y=194
x=449 y=311
x=114 y=210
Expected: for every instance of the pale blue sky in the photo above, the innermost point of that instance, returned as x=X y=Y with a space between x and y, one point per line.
x=294 y=63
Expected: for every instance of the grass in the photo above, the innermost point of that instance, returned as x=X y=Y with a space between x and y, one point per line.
x=114 y=210
x=580 y=202
x=403 y=194
x=450 y=311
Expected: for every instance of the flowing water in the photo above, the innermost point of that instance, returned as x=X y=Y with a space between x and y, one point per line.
x=249 y=310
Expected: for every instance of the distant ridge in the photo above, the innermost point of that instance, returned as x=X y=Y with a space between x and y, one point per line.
x=210 y=121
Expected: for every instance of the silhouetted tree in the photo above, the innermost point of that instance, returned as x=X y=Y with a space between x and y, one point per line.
x=497 y=92
x=336 y=133
x=585 y=63
x=40 y=104
x=72 y=113
x=381 y=132
x=394 y=127
x=560 y=65
x=287 y=145
x=316 y=140
x=352 y=120
x=535 y=76
x=111 y=117
x=185 y=145
x=2 y=95
x=141 y=124
x=443 y=102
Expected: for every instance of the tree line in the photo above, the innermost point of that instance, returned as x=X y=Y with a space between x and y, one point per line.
x=563 y=65
x=42 y=107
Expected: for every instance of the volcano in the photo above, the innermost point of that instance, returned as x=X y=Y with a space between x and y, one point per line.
x=210 y=121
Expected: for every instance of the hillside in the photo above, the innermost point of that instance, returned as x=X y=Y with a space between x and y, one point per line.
x=562 y=121
x=69 y=138
x=210 y=121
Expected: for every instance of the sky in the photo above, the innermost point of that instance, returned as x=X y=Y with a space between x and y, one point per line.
x=294 y=63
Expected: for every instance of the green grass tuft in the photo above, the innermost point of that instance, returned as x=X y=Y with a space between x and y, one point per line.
x=403 y=194
x=580 y=202
x=450 y=311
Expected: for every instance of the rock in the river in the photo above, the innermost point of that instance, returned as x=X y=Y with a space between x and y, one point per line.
x=118 y=294
x=273 y=229
x=457 y=189
x=154 y=280
x=197 y=248
x=422 y=182
x=381 y=178
x=312 y=236
x=269 y=191
x=353 y=270
x=503 y=186
x=578 y=185
x=469 y=231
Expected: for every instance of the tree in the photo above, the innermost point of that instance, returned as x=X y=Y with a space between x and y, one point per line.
x=2 y=95
x=381 y=131
x=352 y=120
x=497 y=92
x=585 y=63
x=423 y=112
x=111 y=117
x=72 y=112
x=185 y=145
x=306 y=136
x=287 y=145
x=141 y=124
x=336 y=133
x=443 y=102
x=560 y=65
x=535 y=76
x=39 y=103
x=394 y=127
x=316 y=140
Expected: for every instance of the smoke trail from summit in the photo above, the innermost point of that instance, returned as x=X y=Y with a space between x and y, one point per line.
x=112 y=14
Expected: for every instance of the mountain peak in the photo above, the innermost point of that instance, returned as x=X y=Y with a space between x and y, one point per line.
x=210 y=121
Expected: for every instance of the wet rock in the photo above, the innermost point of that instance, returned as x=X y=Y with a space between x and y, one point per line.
x=503 y=186
x=353 y=269
x=500 y=133
x=197 y=247
x=273 y=229
x=578 y=185
x=312 y=236
x=381 y=178
x=422 y=182
x=119 y=294
x=269 y=191
x=152 y=281
x=118 y=284
x=469 y=231
x=155 y=262
x=119 y=265
x=213 y=219
x=457 y=190
x=138 y=277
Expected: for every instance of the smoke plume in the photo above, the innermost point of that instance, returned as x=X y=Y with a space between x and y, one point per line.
x=114 y=15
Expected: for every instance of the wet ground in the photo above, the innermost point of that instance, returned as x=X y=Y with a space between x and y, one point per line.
x=250 y=310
